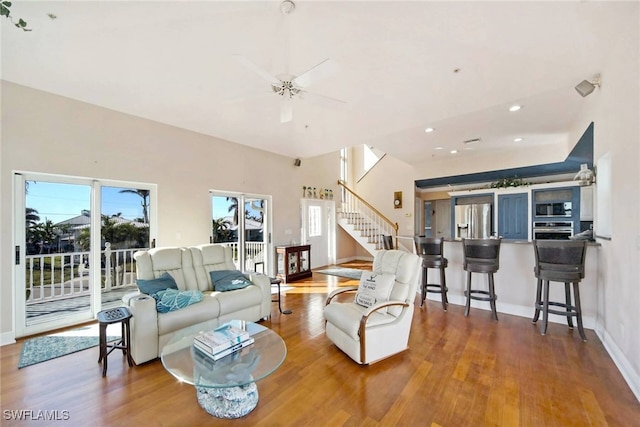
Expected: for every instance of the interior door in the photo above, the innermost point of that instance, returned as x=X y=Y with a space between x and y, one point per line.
x=318 y=230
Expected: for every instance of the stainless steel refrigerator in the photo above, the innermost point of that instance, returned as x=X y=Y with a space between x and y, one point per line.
x=473 y=221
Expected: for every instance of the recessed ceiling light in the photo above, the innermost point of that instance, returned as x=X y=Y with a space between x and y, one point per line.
x=518 y=139
x=429 y=130
x=438 y=148
x=453 y=151
x=515 y=108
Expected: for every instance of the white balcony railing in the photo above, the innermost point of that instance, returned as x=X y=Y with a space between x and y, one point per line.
x=59 y=276
x=253 y=254
x=51 y=277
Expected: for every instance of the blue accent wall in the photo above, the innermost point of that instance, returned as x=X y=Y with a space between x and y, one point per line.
x=581 y=153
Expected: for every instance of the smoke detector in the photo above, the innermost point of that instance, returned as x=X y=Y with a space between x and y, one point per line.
x=287 y=7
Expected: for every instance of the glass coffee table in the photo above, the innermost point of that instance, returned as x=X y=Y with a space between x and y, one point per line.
x=225 y=388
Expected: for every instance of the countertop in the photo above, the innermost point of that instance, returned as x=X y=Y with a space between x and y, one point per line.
x=504 y=241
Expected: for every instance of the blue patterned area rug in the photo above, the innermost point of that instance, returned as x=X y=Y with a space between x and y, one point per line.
x=349 y=273
x=41 y=349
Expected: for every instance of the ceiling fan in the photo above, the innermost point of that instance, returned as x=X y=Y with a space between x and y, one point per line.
x=288 y=87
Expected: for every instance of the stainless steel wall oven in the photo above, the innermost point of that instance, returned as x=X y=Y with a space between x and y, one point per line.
x=552 y=230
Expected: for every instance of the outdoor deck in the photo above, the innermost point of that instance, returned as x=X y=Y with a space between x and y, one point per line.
x=57 y=308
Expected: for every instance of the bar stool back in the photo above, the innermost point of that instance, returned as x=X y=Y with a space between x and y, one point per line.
x=387 y=242
x=481 y=256
x=431 y=250
x=559 y=261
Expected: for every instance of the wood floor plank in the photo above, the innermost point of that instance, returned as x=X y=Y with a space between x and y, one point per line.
x=458 y=371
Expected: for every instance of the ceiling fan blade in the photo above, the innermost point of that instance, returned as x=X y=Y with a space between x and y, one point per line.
x=324 y=69
x=321 y=100
x=286 y=109
x=256 y=69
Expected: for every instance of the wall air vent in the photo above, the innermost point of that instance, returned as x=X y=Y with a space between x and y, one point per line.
x=472 y=141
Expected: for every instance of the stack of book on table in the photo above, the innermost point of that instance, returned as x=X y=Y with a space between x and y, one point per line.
x=222 y=341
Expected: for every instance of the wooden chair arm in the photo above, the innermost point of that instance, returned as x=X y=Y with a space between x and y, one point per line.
x=365 y=317
x=338 y=292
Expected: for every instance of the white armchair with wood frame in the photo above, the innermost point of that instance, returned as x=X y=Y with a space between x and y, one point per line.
x=372 y=329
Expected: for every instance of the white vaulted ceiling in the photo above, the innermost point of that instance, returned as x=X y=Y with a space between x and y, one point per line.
x=172 y=62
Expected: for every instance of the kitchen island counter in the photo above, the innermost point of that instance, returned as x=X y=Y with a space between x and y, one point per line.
x=515 y=281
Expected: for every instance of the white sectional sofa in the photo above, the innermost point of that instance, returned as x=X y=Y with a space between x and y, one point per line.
x=190 y=267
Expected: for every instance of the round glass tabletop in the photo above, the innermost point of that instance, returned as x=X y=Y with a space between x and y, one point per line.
x=243 y=367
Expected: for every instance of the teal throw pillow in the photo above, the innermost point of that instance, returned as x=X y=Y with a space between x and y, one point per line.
x=173 y=299
x=228 y=280
x=151 y=286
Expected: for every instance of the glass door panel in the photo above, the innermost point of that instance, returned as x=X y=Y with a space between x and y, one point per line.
x=255 y=243
x=70 y=262
x=241 y=222
x=225 y=223
x=54 y=247
x=124 y=229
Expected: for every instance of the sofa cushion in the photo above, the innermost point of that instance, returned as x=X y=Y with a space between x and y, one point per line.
x=210 y=257
x=207 y=309
x=228 y=280
x=173 y=299
x=152 y=286
x=152 y=263
x=347 y=316
x=238 y=300
x=374 y=288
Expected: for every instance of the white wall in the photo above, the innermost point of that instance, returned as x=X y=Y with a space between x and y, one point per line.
x=42 y=132
x=616 y=112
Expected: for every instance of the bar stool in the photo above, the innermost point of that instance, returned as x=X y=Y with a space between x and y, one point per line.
x=481 y=256
x=559 y=261
x=431 y=250
x=106 y=318
x=387 y=242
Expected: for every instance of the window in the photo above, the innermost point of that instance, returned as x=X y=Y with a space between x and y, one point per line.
x=315 y=221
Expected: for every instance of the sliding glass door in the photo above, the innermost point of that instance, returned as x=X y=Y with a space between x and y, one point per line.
x=242 y=221
x=74 y=243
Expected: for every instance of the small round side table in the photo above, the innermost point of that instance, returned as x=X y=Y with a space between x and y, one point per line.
x=106 y=318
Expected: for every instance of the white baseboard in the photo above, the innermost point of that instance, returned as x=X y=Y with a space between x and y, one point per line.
x=624 y=366
x=516 y=310
x=354 y=258
x=7 y=338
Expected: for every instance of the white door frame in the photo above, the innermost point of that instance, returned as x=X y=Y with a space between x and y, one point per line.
x=18 y=222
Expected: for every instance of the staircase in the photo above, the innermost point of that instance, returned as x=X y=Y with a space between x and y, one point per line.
x=363 y=222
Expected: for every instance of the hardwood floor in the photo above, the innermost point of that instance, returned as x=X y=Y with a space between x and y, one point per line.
x=459 y=371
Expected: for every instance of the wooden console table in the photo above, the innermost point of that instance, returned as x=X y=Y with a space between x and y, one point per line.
x=293 y=262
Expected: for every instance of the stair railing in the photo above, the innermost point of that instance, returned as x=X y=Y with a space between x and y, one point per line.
x=366 y=218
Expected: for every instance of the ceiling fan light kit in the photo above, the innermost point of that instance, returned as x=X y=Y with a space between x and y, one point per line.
x=289 y=86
